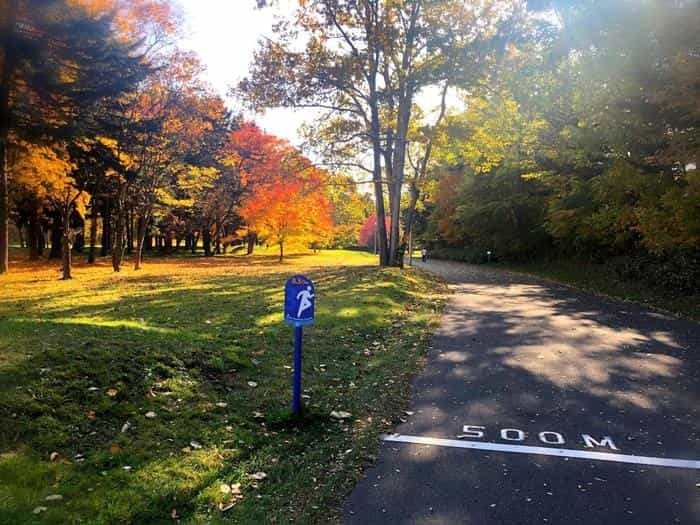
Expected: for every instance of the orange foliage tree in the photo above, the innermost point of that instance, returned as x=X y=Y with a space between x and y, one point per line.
x=286 y=200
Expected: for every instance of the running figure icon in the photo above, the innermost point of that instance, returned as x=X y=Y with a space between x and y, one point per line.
x=305 y=303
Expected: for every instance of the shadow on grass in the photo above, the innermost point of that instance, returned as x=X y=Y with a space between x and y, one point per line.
x=158 y=390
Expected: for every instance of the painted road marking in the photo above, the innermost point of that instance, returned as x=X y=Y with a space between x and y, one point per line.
x=545 y=451
x=547 y=437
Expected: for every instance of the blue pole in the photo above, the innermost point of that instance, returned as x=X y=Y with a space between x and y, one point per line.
x=296 y=385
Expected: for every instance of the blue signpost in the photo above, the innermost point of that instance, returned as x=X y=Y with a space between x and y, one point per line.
x=299 y=301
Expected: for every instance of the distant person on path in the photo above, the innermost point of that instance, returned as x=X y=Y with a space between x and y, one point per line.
x=424 y=254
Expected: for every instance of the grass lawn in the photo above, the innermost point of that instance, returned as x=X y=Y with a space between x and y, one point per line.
x=601 y=279
x=163 y=394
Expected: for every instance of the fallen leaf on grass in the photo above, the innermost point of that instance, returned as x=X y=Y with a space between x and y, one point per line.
x=252 y=384
x=112 y=392
x=258 y=476
x=151 y=415
x=228 y=506
x=195 y=445
x=39 y=510
x=340 y=414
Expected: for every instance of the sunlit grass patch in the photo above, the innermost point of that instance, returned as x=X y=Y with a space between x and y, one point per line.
x=147 y=395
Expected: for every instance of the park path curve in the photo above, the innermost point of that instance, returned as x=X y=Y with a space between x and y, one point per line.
x=517 y=356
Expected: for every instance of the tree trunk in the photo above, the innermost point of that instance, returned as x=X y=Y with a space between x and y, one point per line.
x=398 y=169
x=56 y=236
x=4 y=193
x=378 y=190
x=66 y=244
x=36 y=236
x=4 y=205
x=206 y=241
x=118 y=248
x=217 y=237
x=79 y=240
x=281 y=251
x=142 y=229
x=8 y=67
x=93 y=234
x=421 y=170
x=20 y=232
x=129 y=230
x=195 y=242
x=251 y=239
x=411 y=215
x=106 y=227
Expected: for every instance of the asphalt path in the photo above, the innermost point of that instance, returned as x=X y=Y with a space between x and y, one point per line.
x=523 y=362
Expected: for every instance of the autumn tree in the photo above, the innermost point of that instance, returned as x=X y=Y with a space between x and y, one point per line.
x=258 y=158
x=58 y=65
x=290 y=205
x=362 y=66
x=179 y=112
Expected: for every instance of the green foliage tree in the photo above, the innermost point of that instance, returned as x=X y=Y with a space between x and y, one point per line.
x=590 y=133
x=350 y=210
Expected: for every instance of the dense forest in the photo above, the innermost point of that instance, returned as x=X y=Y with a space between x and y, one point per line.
x=585 y=146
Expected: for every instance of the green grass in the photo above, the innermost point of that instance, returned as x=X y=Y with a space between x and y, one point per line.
x=80 y=359
x=602 y=279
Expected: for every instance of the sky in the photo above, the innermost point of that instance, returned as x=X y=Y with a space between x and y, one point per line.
x=225 y=33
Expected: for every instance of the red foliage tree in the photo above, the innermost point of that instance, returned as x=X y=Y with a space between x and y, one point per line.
x=368 y=232
x=285 y=198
